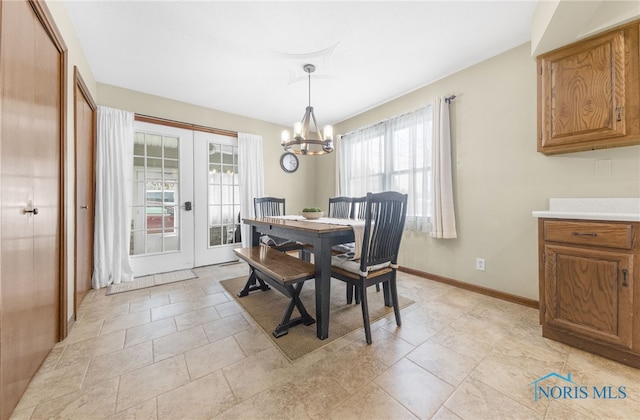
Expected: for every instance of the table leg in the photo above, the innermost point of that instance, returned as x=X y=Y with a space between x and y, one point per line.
x=322 y=255
x=255 y=236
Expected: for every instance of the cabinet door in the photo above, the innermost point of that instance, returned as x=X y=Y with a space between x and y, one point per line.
x=582 y=89
x=589 y=293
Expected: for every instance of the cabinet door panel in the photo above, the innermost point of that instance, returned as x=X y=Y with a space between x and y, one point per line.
x=585 y=293
x=584 y=92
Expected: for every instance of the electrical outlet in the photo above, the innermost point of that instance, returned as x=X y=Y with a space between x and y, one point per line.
x=480 y=264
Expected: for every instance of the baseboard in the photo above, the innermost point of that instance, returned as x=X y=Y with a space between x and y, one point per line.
x=473 y=288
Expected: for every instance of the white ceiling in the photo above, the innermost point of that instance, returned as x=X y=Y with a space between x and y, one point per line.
x=246 y=57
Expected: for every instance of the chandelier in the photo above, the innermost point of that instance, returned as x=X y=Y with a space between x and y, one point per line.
x=304 y=141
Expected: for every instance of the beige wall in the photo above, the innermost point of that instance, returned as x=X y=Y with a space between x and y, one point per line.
x=556 y=23
x=499 y=177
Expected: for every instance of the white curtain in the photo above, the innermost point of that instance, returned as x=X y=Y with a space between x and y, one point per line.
x=114 y=168
x=361 y=161
x=410 y=136
x=250 y=176
x=392 y=155
x=443 y=223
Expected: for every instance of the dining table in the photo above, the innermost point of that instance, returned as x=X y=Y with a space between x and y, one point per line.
x=320 y=234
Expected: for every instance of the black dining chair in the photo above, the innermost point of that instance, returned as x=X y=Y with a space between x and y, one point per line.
x=358 y=207
x=272 y=206
x=384 y=223
x=340 y=207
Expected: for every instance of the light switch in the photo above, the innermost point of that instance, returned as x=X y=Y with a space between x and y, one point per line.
x=603 y=167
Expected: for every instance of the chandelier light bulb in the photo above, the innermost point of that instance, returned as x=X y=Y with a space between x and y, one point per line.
x=284 y=137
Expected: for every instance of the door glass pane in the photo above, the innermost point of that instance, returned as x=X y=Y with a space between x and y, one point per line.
x=154 y=145
x=223 y=194
x=156 y=189
x=171 y=148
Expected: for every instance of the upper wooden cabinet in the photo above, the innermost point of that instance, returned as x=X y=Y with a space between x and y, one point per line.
x=589 y=93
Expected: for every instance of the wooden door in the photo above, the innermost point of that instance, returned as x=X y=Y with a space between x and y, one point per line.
x=589 y=293
x=85 y=135
x=31 y=116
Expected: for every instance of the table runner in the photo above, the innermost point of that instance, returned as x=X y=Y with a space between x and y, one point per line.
x=356 y=224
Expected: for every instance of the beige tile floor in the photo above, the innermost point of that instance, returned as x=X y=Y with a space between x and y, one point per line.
x=188 y=351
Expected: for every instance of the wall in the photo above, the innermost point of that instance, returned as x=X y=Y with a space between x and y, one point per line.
x=75 y=57
x=556 y=23
x=499 y=178
x=295 y=187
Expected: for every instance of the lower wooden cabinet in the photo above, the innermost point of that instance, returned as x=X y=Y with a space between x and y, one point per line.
x=587 y=278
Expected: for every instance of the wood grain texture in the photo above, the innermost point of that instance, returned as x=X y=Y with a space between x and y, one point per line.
x=588 y=93
x=85 y=136
x=584 y=293
x=32 y=133
x=587 y=84
x=278 y=265
x=611 y=235
x=588 y=286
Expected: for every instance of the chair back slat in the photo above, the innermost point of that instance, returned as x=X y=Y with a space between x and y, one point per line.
x=268 y=206
x=340 y=207
x=359 y=208
x=384 y=224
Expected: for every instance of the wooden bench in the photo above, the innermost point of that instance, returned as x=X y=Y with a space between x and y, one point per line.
x=284 y=273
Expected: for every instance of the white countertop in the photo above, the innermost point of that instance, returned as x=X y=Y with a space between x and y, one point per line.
x=624 y=209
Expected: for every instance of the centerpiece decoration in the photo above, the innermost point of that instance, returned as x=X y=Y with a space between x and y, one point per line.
x=312 y=213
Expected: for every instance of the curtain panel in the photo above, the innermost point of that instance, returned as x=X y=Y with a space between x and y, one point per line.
x=251 y=178
x=114 y=169
x=411 y=154
x=393 y=155
x=443 y=224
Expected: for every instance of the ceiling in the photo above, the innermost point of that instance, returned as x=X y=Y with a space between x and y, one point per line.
x=246 y=57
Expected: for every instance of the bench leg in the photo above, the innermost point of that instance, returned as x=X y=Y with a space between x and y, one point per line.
x=251 y=285
x=287 y=322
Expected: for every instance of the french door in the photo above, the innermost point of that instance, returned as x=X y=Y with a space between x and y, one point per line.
x=185 y=193
x=217 y=198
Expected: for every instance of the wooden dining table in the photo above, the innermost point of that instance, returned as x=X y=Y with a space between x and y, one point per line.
x=321 y=235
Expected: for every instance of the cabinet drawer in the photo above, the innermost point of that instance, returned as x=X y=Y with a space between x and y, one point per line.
x=610 y=235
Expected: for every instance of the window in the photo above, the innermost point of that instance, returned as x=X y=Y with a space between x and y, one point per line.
x=393 y=155
x=155 y=226
x=224 y=194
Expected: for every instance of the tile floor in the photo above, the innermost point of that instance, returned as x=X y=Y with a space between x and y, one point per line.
x=187 y=351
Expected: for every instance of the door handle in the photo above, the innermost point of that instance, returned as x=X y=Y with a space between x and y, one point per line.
x=84 y=207
x=625 y=277
x=33 y=211
x=187 y=206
